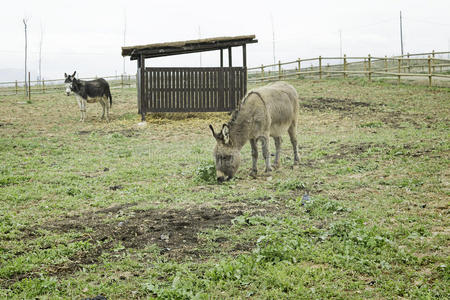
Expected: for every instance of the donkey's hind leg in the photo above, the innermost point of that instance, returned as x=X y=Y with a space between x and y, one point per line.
x=293 y=136
x=254 y=158
x=265 y=152
x=102 y=103
x=107 y=108
x=277 y=140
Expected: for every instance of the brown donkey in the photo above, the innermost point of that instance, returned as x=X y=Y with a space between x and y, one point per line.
x=270 y=110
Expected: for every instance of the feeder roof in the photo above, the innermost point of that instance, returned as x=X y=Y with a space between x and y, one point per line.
x=185 y=47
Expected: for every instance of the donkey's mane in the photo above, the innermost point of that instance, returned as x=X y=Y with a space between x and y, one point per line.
x=235 y=113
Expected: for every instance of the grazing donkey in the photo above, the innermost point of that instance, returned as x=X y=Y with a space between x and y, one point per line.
x=89 y=91
x=267 y=111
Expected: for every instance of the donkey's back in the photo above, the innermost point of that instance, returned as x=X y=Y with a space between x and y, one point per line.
x=280 y=107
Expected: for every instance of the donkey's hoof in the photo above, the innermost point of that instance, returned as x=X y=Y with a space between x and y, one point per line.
x=253 y=174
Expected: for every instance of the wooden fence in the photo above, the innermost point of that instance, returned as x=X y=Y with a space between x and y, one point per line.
x=57 y=85
x=410 y=65
x=426 y=66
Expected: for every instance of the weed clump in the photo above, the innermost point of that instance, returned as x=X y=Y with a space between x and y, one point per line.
x=206 y=173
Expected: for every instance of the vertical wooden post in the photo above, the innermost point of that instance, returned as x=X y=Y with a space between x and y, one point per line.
x=221 y=58
x=369 y=67
x=43 y=86
x=345 y=66
x=399 y=69
x=16 y=88
x=230 y=59
x=429 y=71
x=432 y=61
x=385 y=64
x=143 y=97
x=121 y=81
x=320 y=67
x=262 y=72
x=29 y=87
x=244 y=63
x=244 y=56
x=279 y=70
x=409 y=63
x=299 y=66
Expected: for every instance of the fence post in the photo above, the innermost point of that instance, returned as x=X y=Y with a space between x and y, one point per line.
x=345 y=66
x=385 y=64
x=29 y=86
x=409 y=64
x=399 y=69
x=279 y=69
x=320 y=67
x=429 y=71
x=121 y=81
x=369 y=67
x=16 y=88
x=43 y=86
x=299 y=70
x=262 y=72
x=432 y=61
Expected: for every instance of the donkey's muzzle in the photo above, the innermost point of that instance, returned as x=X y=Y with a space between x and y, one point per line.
x=221 y=179
x=67 y=94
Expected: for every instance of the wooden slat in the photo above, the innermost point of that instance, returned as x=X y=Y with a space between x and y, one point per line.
x=193 y=89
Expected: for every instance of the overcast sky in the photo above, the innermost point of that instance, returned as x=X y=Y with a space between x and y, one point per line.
x=87 y=36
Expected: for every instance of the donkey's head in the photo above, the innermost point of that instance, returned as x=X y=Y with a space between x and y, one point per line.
x=68 y=82
x=226 y=156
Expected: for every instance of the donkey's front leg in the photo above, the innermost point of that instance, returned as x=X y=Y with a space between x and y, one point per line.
x=265 y=152
x=80 y=105
x=83 y=110
x=254 y=158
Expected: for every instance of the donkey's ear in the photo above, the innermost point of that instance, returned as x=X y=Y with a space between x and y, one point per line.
x=212 y=130
x=226 y=133
x=74 y=74
x=65 y=75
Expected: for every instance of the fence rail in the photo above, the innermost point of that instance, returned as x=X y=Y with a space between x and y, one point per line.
x=57 y=85
x=426 y=65
x=430 y=65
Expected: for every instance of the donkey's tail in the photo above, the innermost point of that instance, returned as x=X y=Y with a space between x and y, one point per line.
x=110 y=98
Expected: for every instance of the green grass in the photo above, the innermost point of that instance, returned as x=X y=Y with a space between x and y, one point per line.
x=133 y=212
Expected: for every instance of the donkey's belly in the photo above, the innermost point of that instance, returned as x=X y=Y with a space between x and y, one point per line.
x=279 y=129
x=93 y=100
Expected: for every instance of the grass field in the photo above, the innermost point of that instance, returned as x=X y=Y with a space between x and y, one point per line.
x=124 y=211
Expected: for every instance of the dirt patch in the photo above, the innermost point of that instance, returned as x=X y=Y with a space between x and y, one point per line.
x=327 y=104
x=123 y=132
x=174 y=231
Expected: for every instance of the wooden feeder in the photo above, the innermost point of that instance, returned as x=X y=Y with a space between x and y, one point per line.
x=196 y=89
